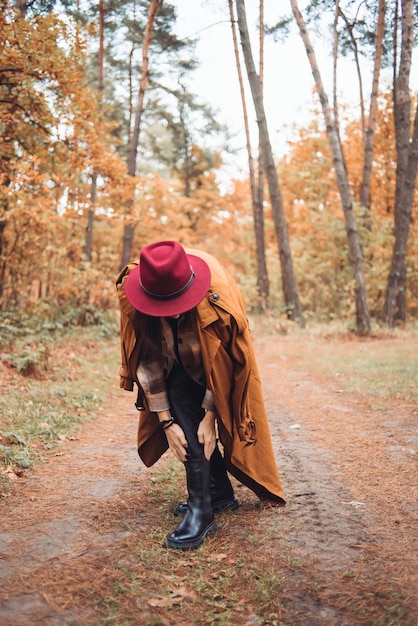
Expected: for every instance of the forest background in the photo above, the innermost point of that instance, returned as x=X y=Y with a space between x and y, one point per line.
x=104 y=148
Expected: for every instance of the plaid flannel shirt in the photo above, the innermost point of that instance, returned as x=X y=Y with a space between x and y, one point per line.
x=152 y=373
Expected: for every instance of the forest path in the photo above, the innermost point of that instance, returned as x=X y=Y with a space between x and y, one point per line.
x=350 y=527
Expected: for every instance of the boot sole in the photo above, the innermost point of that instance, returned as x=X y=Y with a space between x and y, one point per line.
x=192 y=544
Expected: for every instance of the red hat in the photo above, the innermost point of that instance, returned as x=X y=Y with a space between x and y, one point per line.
x=167 y=281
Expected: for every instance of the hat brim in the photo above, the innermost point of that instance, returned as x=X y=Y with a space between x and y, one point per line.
x=144 y=303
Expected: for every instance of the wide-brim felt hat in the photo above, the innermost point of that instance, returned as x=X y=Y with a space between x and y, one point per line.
x=167 y=281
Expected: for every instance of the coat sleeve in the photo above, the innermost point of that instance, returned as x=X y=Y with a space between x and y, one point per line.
x=129 y=344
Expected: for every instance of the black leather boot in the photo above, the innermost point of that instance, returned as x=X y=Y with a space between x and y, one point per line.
x=198 y=521
x=221 y=491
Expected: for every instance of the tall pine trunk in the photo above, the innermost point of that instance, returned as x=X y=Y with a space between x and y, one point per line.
x=262 y=276
x=133 y=142
x=289 y=287
x=256 y=195
x=406 y=173
x=88 y=246
x=355 y=253
x=371 y=122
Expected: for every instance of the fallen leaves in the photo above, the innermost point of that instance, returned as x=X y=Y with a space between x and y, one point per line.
x=12 y=473
x=176 y=596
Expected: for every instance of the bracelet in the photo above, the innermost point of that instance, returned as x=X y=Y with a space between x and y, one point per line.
x=166 y=423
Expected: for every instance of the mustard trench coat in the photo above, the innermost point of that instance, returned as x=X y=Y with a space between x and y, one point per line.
x=231 y=374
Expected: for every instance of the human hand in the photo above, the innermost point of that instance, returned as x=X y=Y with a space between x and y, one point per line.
x=177 y=441
x=206 y=434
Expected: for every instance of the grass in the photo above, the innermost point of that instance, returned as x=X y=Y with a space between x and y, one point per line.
x=41 y=409
x=384 y=366
x=389 y=371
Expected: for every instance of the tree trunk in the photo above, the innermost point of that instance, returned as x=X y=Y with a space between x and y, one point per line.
x=143 y=86
x=21 y=6
x=257 y=203
x=101 y=48
x=128 y=237
x=371 y=124
x=406 y=172
x=88 y=246
x=134 y=136
x=356 y=257
x=335 y=62
x=187 y=147
x=290 y=293
x=262 y=276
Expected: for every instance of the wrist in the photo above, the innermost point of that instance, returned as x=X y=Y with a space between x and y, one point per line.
x=209 y=416
x=164 y=415
x=165 y=418
x=165 y=424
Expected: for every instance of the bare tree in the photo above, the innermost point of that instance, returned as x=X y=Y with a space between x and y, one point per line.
x=355 y=253
x=133 y=141
x=335 y=60
x=262 y=277
x=88 y=247
x=371 y=122
x=351 y=39
x=256 y=195
x=350 y=30
x=406 y=171
x=290 y=292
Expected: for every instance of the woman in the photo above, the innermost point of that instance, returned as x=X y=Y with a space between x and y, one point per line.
x=186 y=345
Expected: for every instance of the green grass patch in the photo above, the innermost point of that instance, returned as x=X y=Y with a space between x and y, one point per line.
x=383 y=366
x=381 y=369
x=43 y=404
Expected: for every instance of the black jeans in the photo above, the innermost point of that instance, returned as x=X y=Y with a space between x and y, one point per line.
x=185 y=397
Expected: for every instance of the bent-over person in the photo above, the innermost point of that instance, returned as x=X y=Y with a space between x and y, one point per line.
x=186 y=347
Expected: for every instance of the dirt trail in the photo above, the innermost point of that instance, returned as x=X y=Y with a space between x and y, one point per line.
x=350 y=474
x=362 y=467
x=52 y=511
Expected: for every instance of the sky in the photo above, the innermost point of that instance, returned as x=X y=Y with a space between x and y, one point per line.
x=288 y=80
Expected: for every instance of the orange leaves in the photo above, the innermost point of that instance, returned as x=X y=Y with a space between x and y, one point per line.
x=53 y=136
x=49 y=114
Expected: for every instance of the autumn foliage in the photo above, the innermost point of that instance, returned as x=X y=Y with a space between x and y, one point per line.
x=55 y=134
x=316 y=222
